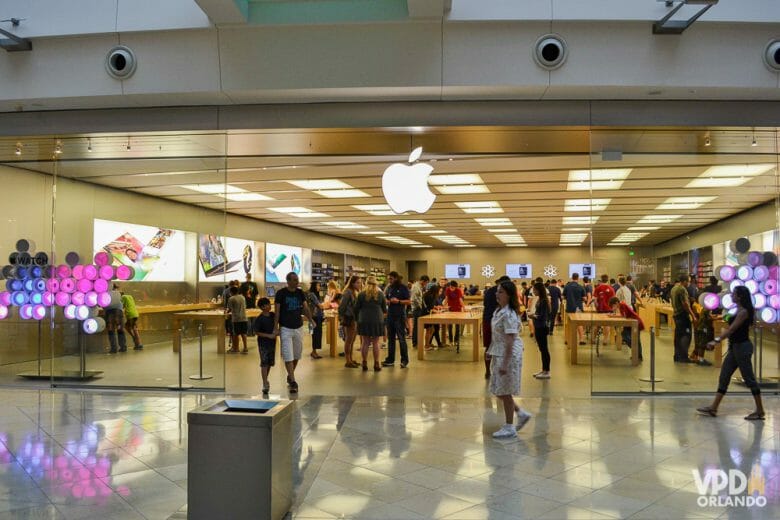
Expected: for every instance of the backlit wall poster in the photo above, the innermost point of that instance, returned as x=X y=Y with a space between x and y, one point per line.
x=280 y=260
x=519 y=270
x=231 y=258
x=588 y=270
x=155 y=254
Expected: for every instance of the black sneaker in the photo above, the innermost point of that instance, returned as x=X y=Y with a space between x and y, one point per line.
x=404 y=365
x=293 y=387
x=289 y=381
x=139 y=347
x=342 y=354
x=388 y=363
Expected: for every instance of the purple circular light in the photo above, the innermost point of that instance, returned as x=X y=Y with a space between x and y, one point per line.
x=5 y=298
x=20 y=273
x=752 y=286
x=68 y=285
x=744 y=272
x=62 y=299
x=125 y=272
x=90 y=272
x=711 y=301
x=14 y=285
x=107 y=272
x=39 y=284
x=760 y=273
x=28 y=285
x=104 y=299
x=63 y=271
x=78 y=272
x=19 y=298
x=754 y=258
x=48 y=299
x=82 y=312
x=732 y=311
x=38 y=312
x=93 y=325
x=25 y=312
x=70 y=312
x=736 y=283
x=768 y=287
x=727 y=300
x=102 y=258
x=759 y=301
x=3 y=312
x=774 y=301
x=768 y=315
x=53 y=285
x=774 y=272
x=77 y=298
x=727 y=273
x=84 y=285
x=36 y=298
x=90 y=299
x=36 y=271
x=100 y=285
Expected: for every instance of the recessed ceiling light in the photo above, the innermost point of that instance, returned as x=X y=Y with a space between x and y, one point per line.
x=629 y=237
x=399 y=240
x=586 y=204
x=617 y=244
x=511 y=239
x=378 y=210
x=412 y=223
x=372 y=232
x=226 y=191
x=246 y=197
x=730 y=175
x=677 y=203
x=573 y=237
x=498 y=222
x=420 y=246
x=297 y=211
x=579 y=220
x=456 y=178
x=609 y=179
x=322 y=184
x=480 y=207
x=342 y=194
x=463 y=189
x=658 y=219
x=343 y=224
x=644 y=228
x=567 y=230
x=569 y=244
x=502 y=230
x=465 y=245
x=432 y=231
x=452 y=239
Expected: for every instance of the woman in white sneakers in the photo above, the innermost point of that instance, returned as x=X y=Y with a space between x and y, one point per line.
x=506 y=352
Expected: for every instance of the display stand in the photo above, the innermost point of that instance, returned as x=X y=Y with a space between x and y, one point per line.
x=180 y=386
x=82 y=374
x=652 y=379
x=199 y=376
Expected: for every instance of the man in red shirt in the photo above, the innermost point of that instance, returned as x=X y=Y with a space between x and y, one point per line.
x=603 y=293
x=454 y=298
x=621 y=309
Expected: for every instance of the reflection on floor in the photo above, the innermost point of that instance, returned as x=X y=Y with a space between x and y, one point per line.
x=68 y=454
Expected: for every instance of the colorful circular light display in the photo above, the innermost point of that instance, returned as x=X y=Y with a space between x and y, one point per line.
x=745 y=272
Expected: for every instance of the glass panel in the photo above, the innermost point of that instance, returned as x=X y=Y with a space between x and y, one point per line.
x=687 y=197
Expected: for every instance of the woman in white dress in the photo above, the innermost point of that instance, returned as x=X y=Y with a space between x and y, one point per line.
x=506 y=351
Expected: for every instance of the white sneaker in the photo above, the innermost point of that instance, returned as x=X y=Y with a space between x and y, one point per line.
x=542 y=375
x=522 y=419
x=505 y=432
x=538 y=373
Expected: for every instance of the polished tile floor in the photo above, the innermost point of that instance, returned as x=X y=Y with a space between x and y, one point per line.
x=92 y=455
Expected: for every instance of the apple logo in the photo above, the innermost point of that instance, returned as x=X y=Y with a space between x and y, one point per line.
x=405 y=186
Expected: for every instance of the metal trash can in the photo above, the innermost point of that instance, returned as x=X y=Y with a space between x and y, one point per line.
x=240 y=460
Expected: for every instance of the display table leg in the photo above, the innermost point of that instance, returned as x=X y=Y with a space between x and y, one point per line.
x=420 y=341
x=634 y=344
x=572 y=341
x=176 y=324
x=221 y=340
x=475 y=340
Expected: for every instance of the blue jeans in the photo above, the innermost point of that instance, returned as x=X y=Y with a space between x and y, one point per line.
x=682 y=337
x=396 y=327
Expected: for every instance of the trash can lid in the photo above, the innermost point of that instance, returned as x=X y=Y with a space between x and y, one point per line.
x=255 y=413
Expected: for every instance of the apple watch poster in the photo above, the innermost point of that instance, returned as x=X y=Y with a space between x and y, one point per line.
x=280 y=260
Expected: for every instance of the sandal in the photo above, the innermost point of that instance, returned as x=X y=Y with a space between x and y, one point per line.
x=709 y=411
x=365 y=366
x=351 y=364
x=377 y=367
x=314 y=355
x=755 y=416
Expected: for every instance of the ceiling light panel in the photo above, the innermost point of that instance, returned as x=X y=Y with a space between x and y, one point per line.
x=480 y=207
x=573 y=237
x=378 y=210
x=629 y=237
x=511 y=239
x=322 y=184
x=730 y=175
x=586 y=204
x=678 y=203
x=345 y=225
x=502 y=230
x=658 y=219
x=421 y=246
x=246 y=197
x=432 y=231
x=412 y=223
x=609 y=179
x=213 y=189
x=372 y=232
x=644 y=228
x=463 y=189
x=342 y=194
x=453 y=179
x=297 y=211
x=496 y=222
x=573 y=221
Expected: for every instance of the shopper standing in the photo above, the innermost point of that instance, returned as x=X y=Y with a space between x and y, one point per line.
x=418 y=290
x=555 y=303
x=738 y=355
x=453 y=295
x=398 y=297
x=623 y=294
x=430 y=301
x=623 y=309
x=250 y=291
x=489 y=306
x=370 y=309
x=114 y=313
x=683 y=319
x=313 y=299
x=347 y=317
x=574 y=294
x=290 y=303
x=506 y=351
x=237 y=311
x=264 y=329
x=131 y=320
x=540 y=315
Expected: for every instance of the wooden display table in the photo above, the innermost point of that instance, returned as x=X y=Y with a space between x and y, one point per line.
x=477 y=298
x=332 y=321
x=449 y=318
x=176 y=307
x=208 y=316
x=667 y=311
x=594 y=319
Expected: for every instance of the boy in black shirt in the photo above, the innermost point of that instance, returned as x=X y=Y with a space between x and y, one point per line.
x=290 y=304
x=263 y=327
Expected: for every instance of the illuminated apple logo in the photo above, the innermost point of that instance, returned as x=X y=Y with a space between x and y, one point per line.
x=405 y=186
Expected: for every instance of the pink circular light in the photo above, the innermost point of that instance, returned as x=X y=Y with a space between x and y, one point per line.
x=48 y=299
x=62 y=299
x=38 y=312
x=25 y=312
x=727 y=300
x=774 y=301
x=53 y=285
x=70 y=312
x=768 y=287
x=760 y=273
x=125 y=272
x=84 y=285
x=68 y=285
x=106 y=272
x=774 y=272
x=93 y=325
x=759 y=301
x=90 y=272
x=102 y=258
x=736 y=283
x=77 y=298
x=709 y=301
x=100 y=285
x=752 y=286
x=63 y=271
x=104 y=299
x=726 y=273
x=3 y=312
x=744 y=272
x=78 y=272
x=82 y=312
x=768 y=315
x=91 y=298
x=5 y=298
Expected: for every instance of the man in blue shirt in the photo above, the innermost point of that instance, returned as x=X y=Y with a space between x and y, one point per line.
x=574 y=294
x=398 y=297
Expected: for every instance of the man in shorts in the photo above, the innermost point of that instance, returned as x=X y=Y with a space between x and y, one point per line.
x=263 y=328
x=290 y=303
x=237 y=310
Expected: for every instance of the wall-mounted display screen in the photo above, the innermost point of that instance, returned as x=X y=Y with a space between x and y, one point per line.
x=519 y=271
x=220 y=256
x=588 y=270
x=280 y=260
x=457 y=270
x=155 y=254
